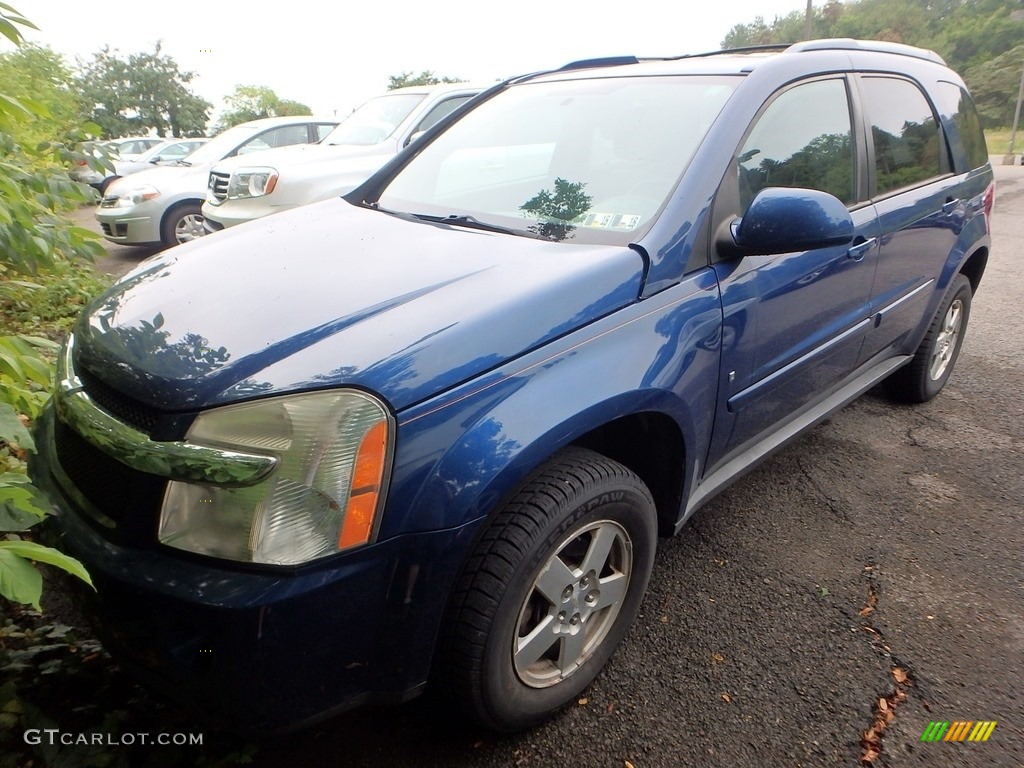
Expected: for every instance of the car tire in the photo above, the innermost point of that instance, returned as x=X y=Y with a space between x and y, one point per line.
x=518 y=643
x=182 y=224
x=928 y=371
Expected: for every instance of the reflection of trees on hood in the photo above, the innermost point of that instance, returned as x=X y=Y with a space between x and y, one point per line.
x=556 y=210
x=124 y=346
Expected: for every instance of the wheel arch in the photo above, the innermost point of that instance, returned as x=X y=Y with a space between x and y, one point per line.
x=651 y=444
x=973 y=267
x=170 y=209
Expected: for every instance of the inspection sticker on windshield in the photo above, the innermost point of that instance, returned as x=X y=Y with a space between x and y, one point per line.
x=611 y=220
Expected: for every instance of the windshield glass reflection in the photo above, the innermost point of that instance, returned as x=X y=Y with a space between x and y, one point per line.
x=587 y=160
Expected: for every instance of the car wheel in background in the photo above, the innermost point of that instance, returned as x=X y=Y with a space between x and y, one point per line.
x=106 y=183
x=550 y=590
x=927 y=373
x=182 y=223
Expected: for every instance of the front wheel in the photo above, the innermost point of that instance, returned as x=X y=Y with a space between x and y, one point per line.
x=182 y=224
x=927 y=373
x=549 y=592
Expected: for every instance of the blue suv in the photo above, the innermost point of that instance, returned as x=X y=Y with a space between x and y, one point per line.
x=430 y=432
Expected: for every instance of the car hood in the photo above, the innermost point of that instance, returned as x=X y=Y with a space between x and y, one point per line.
x=331 y=294
x=166 y=178
x=302 y=155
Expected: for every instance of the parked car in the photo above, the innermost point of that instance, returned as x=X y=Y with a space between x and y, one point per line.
x=242 y=189
x=128 y=149
x=430 y=431
x=163 y=205
x=165 y=153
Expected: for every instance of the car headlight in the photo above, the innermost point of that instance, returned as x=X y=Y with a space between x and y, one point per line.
x=323 y=496
x=134 y=196
x=251 y=182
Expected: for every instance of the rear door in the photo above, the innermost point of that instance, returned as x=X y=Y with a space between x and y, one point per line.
x=920 y=209
x=794 y=322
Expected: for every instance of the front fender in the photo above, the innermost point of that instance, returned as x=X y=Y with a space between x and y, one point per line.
x=459 y=455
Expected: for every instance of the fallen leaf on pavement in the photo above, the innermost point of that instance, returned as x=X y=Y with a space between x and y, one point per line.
x=899 y=675
x=726 y=698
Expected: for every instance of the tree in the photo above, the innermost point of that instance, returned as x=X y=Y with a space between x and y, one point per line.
x=975 y=37
x=426 y=77
x=38 y=76
x=34 y=189
x=995 y=84
x=252 y=102
x=146 y=91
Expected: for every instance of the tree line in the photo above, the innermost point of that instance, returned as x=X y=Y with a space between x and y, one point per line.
x=983 y=40
x=126 y=95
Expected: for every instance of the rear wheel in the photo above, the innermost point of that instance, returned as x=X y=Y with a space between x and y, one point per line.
x=549 y=592
x=927 y=373
x=182 y=224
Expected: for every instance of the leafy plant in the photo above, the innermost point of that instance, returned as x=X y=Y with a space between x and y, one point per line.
x=34 y=191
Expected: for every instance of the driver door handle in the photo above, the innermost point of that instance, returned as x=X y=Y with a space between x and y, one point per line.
x=859 y=251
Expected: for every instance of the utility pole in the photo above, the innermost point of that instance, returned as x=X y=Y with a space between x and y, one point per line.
x=807 y=20
x=1011 y=156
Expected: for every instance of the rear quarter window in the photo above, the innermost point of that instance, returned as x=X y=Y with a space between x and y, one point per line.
x=957 y=107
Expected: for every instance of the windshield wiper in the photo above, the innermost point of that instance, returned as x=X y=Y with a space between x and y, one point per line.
x=471 y=222
x=183 y=162
x=456 y=219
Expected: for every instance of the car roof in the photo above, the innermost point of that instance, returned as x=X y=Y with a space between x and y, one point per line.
x=270 y=122
x=738 y=61
x=440 y=88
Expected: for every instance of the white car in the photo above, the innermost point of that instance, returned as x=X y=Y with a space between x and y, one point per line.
x=167 y=153
x=242 y=189
x=162 y=205
x=127 y=148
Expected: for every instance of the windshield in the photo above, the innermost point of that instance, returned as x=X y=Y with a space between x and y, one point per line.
x=219 y=146
x=171 y=150
x=591 y=161
x=375 y=120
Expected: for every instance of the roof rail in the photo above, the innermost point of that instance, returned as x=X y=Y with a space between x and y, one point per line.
x=881 y=46
x=606 y=61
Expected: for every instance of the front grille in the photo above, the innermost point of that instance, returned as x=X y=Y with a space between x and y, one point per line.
x=219 y=185
x=106 y=228
x=119 y=492
x=138 y=415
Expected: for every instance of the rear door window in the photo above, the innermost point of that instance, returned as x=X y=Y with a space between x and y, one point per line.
x=908 y=144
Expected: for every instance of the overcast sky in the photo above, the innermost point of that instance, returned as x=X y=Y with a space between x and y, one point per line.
x=334 y=57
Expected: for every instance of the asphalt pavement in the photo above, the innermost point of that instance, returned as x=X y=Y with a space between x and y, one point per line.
x=857 y=587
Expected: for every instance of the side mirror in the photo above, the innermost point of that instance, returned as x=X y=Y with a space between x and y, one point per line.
x=413 y=138
x=785 y=219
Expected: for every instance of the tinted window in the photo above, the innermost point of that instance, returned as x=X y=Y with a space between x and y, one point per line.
x=905 y=134
x=803 y=139
x=322 y=129
x=277 y=137
x=443 y=109
x=957 y=105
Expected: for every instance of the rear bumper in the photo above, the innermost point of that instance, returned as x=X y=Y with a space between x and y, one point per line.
x=259 y=650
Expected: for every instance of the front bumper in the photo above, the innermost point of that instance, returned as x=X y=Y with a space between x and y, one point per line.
x=137 y=225
x=231 y=213
x=256 y=649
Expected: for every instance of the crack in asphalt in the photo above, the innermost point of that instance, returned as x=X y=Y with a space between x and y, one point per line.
x=884 y=709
